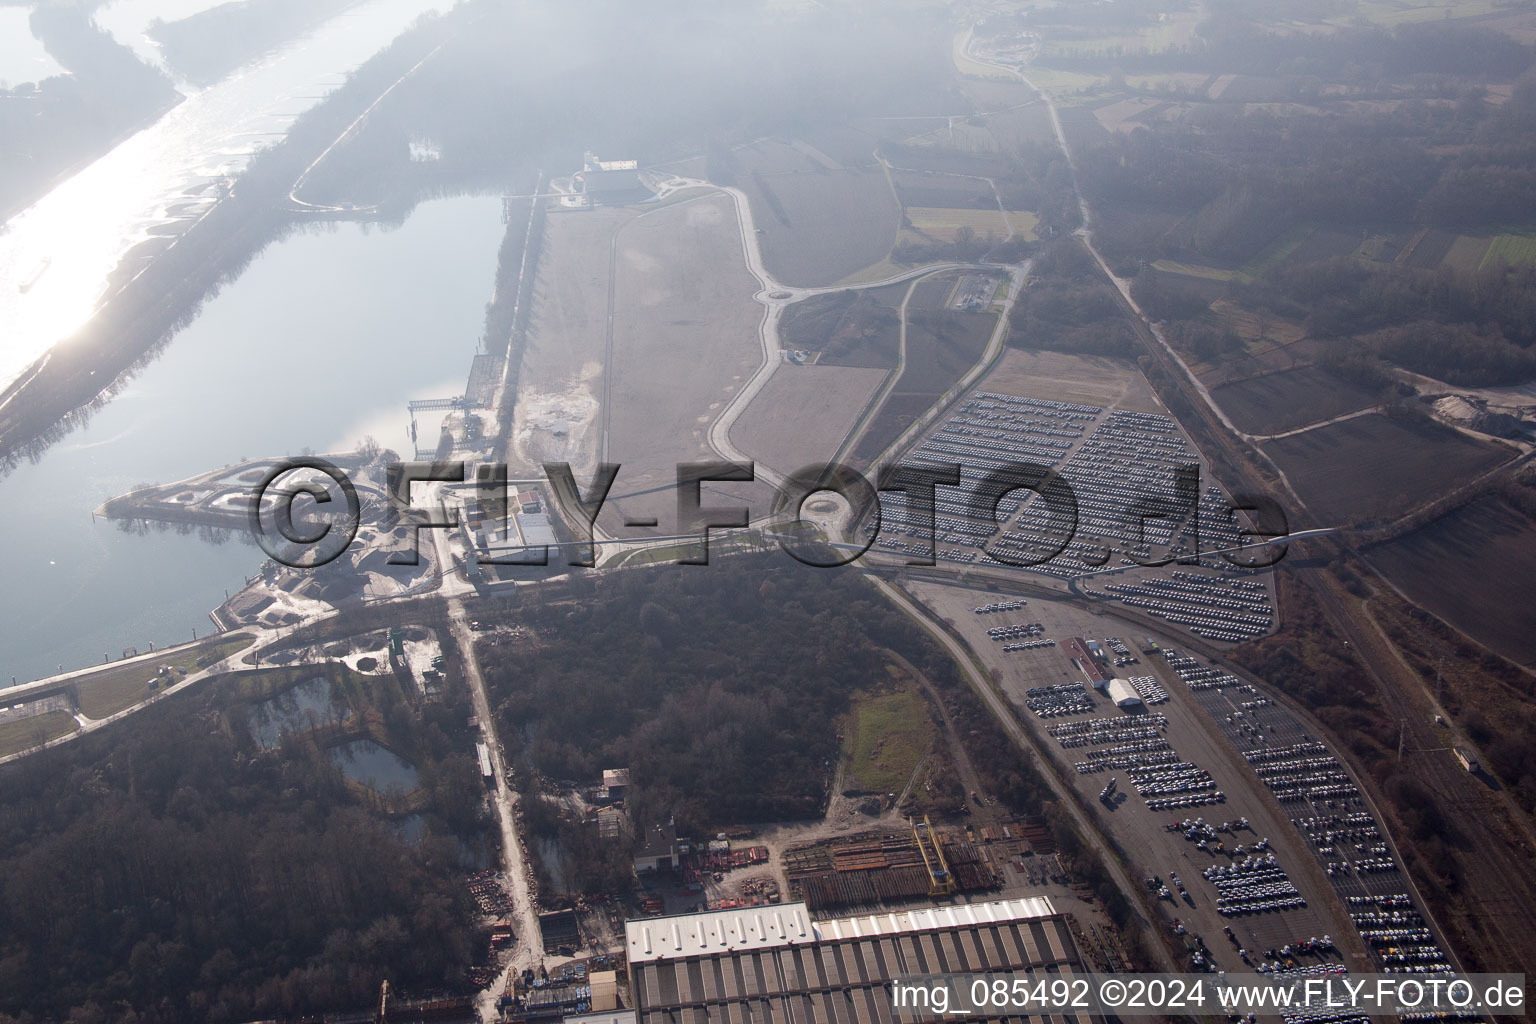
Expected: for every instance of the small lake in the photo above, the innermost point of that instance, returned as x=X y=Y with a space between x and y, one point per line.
x=375 y=767
x=297 y=709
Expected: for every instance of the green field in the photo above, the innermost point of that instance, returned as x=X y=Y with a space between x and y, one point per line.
x=25 y=733
x=1195 y=270
x=1391 y=13
x=111 y=690
x=1287 y=242
x=1511 y=249
x=889 y=733
x=941 y=224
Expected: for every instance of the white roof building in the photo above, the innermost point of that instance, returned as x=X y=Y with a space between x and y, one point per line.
x=1123 y=694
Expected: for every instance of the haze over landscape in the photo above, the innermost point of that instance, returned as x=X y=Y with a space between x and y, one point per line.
x=627 y=513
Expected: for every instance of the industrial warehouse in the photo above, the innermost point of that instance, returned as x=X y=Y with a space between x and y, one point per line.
x=775 y=964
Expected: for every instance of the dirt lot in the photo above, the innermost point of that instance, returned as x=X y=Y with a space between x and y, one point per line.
x=803 y=413
x=1467 y=567
x=1371 y=466
x=818 y=225
x=1195 y=739
x=684 y=338
x=561 y=378
x=1092 y=380
x=1278 y=402
x=684 y=341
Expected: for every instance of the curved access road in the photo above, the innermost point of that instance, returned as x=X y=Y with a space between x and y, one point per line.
x=775 y=297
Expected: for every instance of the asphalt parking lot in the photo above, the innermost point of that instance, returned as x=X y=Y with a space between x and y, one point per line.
x=1194 y=740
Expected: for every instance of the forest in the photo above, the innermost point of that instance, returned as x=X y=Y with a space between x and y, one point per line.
x=720 y=688
x=1070 y=306
x=717 y=686
x=170 y=869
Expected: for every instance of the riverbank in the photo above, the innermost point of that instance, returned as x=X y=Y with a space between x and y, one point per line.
x=159 y=287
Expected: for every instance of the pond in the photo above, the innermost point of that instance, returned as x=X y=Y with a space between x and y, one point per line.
x=297 y=709
x=374 y=766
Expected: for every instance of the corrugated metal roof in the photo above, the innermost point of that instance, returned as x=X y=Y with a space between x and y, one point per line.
x=603 y=1017
x=930 y=918
x=837 y=971
x=718 y=931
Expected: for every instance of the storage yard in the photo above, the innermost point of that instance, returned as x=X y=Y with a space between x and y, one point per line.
x=1147 y=768
x=881 y=868
x=1121 y=466
x=1326 y=809
x=1238 y=815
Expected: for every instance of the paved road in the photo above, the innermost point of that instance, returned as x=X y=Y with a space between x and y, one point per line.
x=1498 y=879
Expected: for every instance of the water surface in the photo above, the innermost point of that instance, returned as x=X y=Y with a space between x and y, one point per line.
x=322 y=340
x=375 y=767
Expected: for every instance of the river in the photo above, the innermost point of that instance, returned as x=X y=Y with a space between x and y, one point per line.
x=55 y=256
x=322 y=340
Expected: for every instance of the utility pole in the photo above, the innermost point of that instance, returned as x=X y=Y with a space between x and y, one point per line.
x=1402 y=733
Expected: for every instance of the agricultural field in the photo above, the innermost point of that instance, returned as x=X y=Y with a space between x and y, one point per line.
x=1253 y=326
x=684 y=342
x=1466 y=254
x=1069 y=85
x=1277 y=402
x=1391 y=13
x=1430 y=250
x=803 y=414
x=1195 y=270
x=1282 y=245
x=964 y=135
x=896 y=414
x=1512 y=249
x=1324 y=244
x=888 y=735
x=1128 y=114
x=942 y=225
x=949 y=191
x=817 y=225
x=1012 y=112
x=941 y=346
x=1519 y=26
x=1372 y=467
x=1468 y=567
